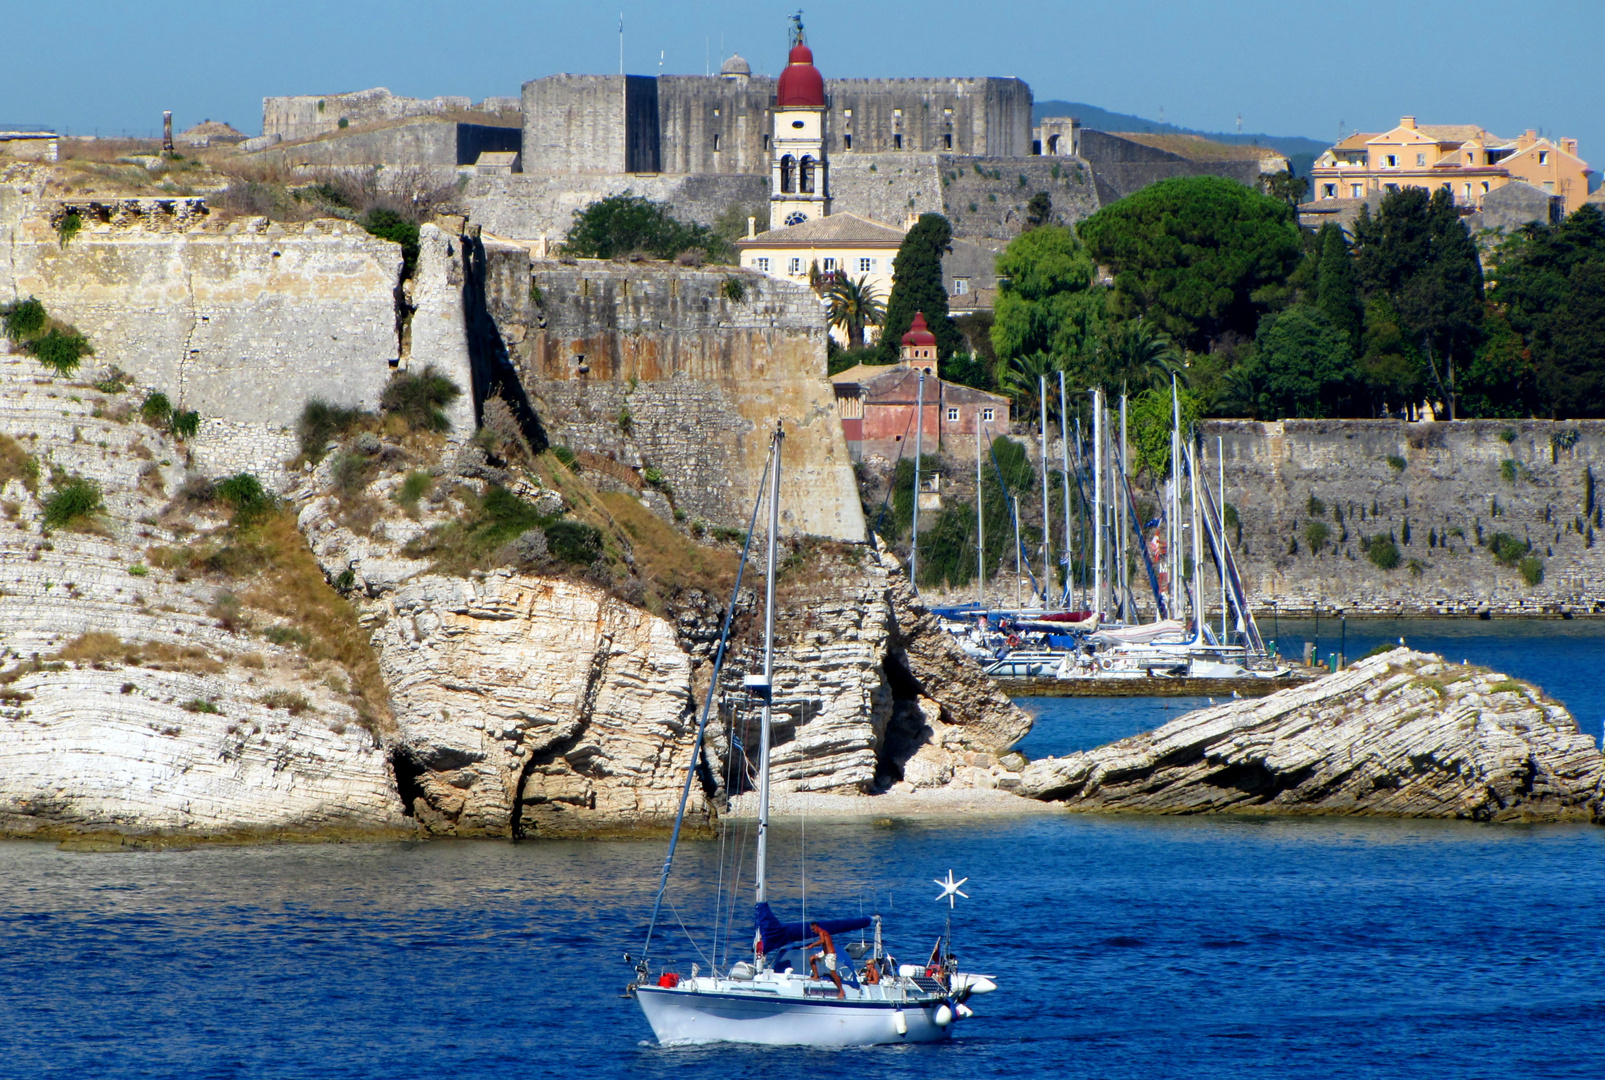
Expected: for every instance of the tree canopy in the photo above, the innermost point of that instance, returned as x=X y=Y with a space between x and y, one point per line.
x=1046 y=302
x=917 y=286
x=623 y=224
x=1303 y=366
x=1190 y=253
x=1551 y=292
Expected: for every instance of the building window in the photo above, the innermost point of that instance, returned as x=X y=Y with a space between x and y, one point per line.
x=1390 y=187
x=1549 y=187
x=1390 y=162
x=766 y=144
x=1328 y=191
x=830 y=265
x=847 y=141
x=805 y=176
x=794 y=266
x=986 y=416
x=1356 y=191
x=961 y=285
x=1421 y=161
x=1543 y=157
x=763 y=265
x=787 y=163
x=1485 y=187
x=952 y=416
x=715 y=142
x=866 y=266
x=897 y=141
x=1466 y=191
x=947 y=140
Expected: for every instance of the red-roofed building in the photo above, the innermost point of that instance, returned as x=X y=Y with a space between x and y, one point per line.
x=879 y=404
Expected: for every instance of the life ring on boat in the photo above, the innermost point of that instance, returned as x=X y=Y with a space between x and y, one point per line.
x=1107 y=664
x=1014 y=641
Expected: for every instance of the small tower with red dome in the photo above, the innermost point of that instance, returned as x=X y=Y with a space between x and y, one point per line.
x=798 y=180
x=919 y=346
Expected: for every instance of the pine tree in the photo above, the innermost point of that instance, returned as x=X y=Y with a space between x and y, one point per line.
x=1338 y=296
x=917 y=286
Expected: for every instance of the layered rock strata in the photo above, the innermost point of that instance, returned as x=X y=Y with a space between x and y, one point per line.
x=1403 y=734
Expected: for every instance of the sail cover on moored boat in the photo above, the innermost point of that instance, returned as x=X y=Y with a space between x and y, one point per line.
x=777 y=935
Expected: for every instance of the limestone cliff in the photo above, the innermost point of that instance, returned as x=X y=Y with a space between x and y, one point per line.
x=137 y=697
x=1403 y=734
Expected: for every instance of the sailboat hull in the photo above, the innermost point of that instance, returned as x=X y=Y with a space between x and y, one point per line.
x=678 y=1016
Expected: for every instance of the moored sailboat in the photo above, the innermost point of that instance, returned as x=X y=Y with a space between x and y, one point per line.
x=780 y=995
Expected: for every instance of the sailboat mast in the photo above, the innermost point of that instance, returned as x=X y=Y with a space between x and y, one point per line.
x=1198 y=548
x=1119 y=502
x=1174 y=524
x=919 y=431
x=1097 y=500
x=980 y=529
x=1064 y=474
x=1047 y=522
x=1220 y=516
x=768 y=670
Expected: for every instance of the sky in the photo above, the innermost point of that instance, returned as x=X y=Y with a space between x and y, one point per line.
x=1288 y=68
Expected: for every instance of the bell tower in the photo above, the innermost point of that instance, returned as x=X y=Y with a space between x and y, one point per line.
x=798 y=177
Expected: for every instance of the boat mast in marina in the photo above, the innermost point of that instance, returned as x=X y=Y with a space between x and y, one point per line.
x=1117 y=501
x=766 y=688
x=914 y=545
x=1097 y=500
x=1047 y=522
x=980 y=529
x=1064 y=475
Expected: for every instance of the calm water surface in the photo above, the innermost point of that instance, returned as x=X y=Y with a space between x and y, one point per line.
x=1125 y=947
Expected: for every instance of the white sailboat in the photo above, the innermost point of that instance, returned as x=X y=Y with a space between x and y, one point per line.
x=774 y=997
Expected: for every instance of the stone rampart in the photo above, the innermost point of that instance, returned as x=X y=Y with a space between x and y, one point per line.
x=982 y=197
x=241 y=322
x=530 y=206
x=684 y=371
x=434 y=142
x=1440 y=491
x=304 y=115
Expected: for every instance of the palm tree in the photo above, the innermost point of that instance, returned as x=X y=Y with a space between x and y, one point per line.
x=1138 y=355
x=1020 y=379
x=853 y=306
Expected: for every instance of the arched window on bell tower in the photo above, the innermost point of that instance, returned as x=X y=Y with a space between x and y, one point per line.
x=805 y=176
x=787 y=164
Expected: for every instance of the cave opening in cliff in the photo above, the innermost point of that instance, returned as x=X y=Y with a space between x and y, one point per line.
x=905 y=727
x=408 y=770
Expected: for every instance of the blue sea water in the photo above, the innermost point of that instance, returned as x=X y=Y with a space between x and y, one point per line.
x=1123 y=946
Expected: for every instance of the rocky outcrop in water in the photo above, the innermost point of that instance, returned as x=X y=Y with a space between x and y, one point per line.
x=1403 y=734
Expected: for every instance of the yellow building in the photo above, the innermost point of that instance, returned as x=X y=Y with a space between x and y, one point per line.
x=1464 y=159
x=840 y=243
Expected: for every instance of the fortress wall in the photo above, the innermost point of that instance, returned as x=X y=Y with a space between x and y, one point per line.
x=988 y=116
x=888 y=187
x=1451 y=484
x=591 y=123
x=687 y=108
x=703 y=376
x=303 y=115
x=528 y=206
x=439 y=143
x=242 y=323
x=1116 y=180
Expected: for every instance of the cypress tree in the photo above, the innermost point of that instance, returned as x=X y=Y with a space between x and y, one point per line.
x=1338 y=296
x=917 y=286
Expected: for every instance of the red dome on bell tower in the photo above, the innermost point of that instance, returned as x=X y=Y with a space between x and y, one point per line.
x=800 y=84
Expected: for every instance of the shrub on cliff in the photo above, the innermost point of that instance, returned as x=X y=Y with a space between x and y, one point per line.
x=420 y=399
x=244 y=493
x=73 y=503
x=625 y=224
x=917 y=287
x=389 y=225
x=322 y=423
x=57 y=346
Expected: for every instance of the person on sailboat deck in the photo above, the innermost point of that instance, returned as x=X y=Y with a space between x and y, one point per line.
x=872 y=973
x=827 y=953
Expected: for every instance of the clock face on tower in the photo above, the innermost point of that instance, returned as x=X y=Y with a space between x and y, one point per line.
x=796 y=217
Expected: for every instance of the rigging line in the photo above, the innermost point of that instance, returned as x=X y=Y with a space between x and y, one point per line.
x=902 y=445
x=707 y=705
x=687 y=934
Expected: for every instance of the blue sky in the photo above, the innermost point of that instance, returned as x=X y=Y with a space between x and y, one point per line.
x=1289 y=68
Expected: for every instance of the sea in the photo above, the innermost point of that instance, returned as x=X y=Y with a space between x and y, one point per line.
x=1122 y=946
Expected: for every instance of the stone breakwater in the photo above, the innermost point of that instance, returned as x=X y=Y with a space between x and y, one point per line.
x=1403 y=734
